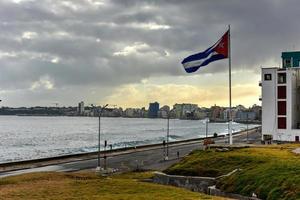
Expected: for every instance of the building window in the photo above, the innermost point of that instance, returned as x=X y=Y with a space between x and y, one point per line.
x=281 y=122
x=281 y=77
x=281 y=107
x=286 y=62
x=268 y=77
x=281 y=92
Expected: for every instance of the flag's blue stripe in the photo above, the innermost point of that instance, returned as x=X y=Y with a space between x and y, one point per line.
x=206 y=62
x=198 y=56
x=192 y=69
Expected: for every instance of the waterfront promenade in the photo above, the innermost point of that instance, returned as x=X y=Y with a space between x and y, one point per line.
x=145 y=157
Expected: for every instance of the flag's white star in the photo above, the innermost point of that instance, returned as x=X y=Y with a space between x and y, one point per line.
x=221 y=45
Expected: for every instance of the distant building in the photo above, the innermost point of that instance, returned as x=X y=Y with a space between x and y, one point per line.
x=80 y=108
x=163 y=112
x=226 y=114
x=240 y=107
x=112 y=112
x=153 y=110
x=128 y=112
x=216 y=113
x=133 y=112
x=281 y=99
x=257 y=109
x=144 y=112
x=243 y=115
x=185 y=110
x=165 y=108
x=199 y=114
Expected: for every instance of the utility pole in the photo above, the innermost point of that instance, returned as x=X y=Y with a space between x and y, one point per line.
x=206 y=127
x=164 y=147
x=247 y=124
x=168 y=131
x=105 y=157
x=99 y=134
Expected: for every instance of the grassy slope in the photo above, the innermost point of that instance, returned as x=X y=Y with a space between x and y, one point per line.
x=89 y=186
x=271 y=172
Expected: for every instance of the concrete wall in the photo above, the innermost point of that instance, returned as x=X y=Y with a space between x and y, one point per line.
x=197 y=184
x=217 y=192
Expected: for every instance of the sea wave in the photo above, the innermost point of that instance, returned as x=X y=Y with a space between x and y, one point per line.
x=25 y=138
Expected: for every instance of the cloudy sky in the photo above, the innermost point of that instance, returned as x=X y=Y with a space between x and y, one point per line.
x=128 y=52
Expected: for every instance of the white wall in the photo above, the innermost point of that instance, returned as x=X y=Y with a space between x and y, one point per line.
x=269 y=122
x=291 y=131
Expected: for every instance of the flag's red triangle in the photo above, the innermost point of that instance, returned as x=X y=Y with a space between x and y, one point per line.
x=222 y=45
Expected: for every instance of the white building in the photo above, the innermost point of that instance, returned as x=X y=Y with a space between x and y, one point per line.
x=281 y=100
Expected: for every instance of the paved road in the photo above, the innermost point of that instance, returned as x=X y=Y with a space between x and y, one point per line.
x=151 y=158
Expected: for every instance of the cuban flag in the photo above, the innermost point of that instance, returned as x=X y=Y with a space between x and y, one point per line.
x=216 y=52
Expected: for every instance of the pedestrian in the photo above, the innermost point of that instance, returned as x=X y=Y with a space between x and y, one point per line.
x=177 y=154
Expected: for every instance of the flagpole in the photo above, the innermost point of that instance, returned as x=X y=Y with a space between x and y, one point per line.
x=229 y=63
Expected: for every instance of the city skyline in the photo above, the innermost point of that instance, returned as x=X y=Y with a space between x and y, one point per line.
x=110 y=106
x=129 y=53
x=185 y=111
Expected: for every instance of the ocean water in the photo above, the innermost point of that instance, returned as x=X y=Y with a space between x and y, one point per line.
x=28 y=137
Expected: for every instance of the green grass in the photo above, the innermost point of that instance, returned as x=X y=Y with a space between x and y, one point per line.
x=62 y=186
x=272 y=172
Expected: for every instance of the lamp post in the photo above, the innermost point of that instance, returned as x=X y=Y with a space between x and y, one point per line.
x=164 y=147
x=247 y=124
x=168 y=128
x=206 y=127
x=99 y=131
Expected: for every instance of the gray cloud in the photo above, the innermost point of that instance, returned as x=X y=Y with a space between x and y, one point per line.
x=104 y=44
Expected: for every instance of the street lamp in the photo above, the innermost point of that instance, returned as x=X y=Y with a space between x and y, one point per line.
x=100 y=113
x=248 y=123
x=206 y=127
x=168 y=128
